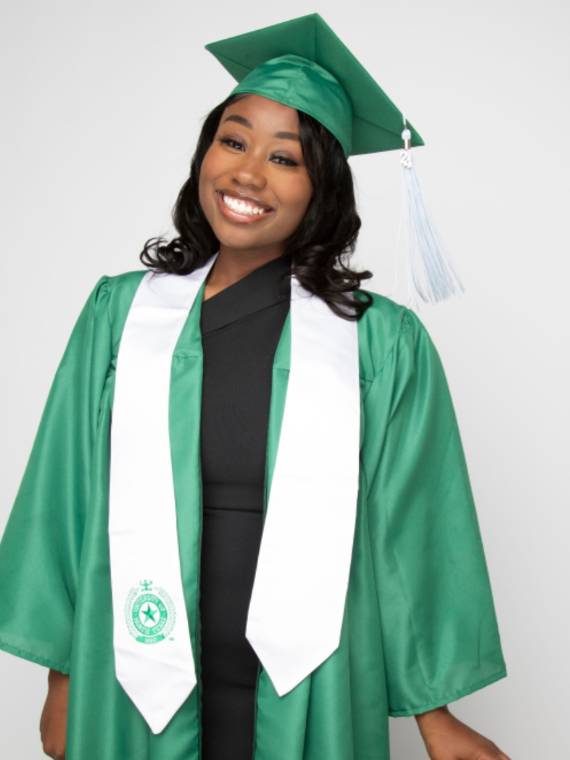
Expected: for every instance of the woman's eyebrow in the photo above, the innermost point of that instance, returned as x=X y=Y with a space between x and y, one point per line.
x=247 y=123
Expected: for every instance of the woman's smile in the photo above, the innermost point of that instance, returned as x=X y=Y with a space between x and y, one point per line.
x=241 y=212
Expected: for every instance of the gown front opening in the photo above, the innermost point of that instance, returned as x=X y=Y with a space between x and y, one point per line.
x=240 y=329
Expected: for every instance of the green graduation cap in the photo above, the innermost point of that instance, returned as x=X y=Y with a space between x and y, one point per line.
x=303 y=64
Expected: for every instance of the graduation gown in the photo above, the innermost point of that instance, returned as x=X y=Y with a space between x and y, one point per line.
x=419 y=627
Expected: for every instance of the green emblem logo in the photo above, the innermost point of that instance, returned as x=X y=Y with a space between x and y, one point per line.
x=149 y=613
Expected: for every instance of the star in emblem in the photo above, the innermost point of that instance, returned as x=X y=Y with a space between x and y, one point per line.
x=149 y=614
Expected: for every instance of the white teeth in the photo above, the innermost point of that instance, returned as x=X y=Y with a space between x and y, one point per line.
x=241 y=207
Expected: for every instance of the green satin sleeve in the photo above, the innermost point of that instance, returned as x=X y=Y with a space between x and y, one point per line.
x=439 y=627
x=41 y=544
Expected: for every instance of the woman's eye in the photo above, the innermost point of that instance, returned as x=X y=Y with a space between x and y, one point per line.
x=228 y=140
x=289 y=161
x=231 y=143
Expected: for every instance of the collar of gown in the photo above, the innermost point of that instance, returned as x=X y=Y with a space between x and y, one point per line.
x=265 y=286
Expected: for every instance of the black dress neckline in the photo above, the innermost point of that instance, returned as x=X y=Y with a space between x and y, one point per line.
x=266 y=285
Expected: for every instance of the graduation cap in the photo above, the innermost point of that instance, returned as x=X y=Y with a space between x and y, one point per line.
x=303 y=64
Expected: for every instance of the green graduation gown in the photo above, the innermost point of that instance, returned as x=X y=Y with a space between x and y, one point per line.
x=419 y=627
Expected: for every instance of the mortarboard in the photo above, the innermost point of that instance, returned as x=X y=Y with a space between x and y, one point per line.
x=302 y=63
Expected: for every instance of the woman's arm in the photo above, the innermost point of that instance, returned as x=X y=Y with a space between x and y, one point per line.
x=53 y=723
x=447 y=738
x=40 y=549
x=439 y=628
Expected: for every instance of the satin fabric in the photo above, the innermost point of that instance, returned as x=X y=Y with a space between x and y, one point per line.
x=296 y=607
x=301 y=83
x=302 y=63
x=419 y=626
x=143 y=538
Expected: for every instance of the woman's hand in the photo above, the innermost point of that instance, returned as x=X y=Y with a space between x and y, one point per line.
x=53 y=722
x=447 y=738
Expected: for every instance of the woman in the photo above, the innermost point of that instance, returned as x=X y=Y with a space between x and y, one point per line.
x=270 y=193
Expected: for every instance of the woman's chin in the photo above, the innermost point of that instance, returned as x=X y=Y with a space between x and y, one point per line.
x=240 y=238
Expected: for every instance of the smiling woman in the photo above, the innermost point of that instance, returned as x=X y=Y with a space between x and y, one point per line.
x=246 y=529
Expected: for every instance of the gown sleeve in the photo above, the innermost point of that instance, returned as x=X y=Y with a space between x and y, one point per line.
x=439 y=628
x=41 y=544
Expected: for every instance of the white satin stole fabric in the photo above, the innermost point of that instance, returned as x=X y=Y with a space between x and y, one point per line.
x=298 y=596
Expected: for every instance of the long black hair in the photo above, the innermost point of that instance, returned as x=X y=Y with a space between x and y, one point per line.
x=324 y=238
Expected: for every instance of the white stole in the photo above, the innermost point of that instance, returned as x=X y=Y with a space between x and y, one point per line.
x=297 y=603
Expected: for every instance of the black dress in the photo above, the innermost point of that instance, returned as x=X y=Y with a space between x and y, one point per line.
x=240 y=327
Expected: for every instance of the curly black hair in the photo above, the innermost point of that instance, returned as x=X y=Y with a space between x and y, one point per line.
x=326 y=235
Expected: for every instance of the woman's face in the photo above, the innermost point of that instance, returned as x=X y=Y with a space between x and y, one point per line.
x=255 y=155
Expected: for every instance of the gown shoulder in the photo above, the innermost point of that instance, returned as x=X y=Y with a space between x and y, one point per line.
x=381 y=328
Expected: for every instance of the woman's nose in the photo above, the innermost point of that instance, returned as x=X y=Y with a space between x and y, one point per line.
x=250 y=171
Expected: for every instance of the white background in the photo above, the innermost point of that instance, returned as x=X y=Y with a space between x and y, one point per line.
x=101 y=108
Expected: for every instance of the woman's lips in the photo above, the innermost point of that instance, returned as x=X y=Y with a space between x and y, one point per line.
x=235 y=216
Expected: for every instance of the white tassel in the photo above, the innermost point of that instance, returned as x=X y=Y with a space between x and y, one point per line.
x=430 y=273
